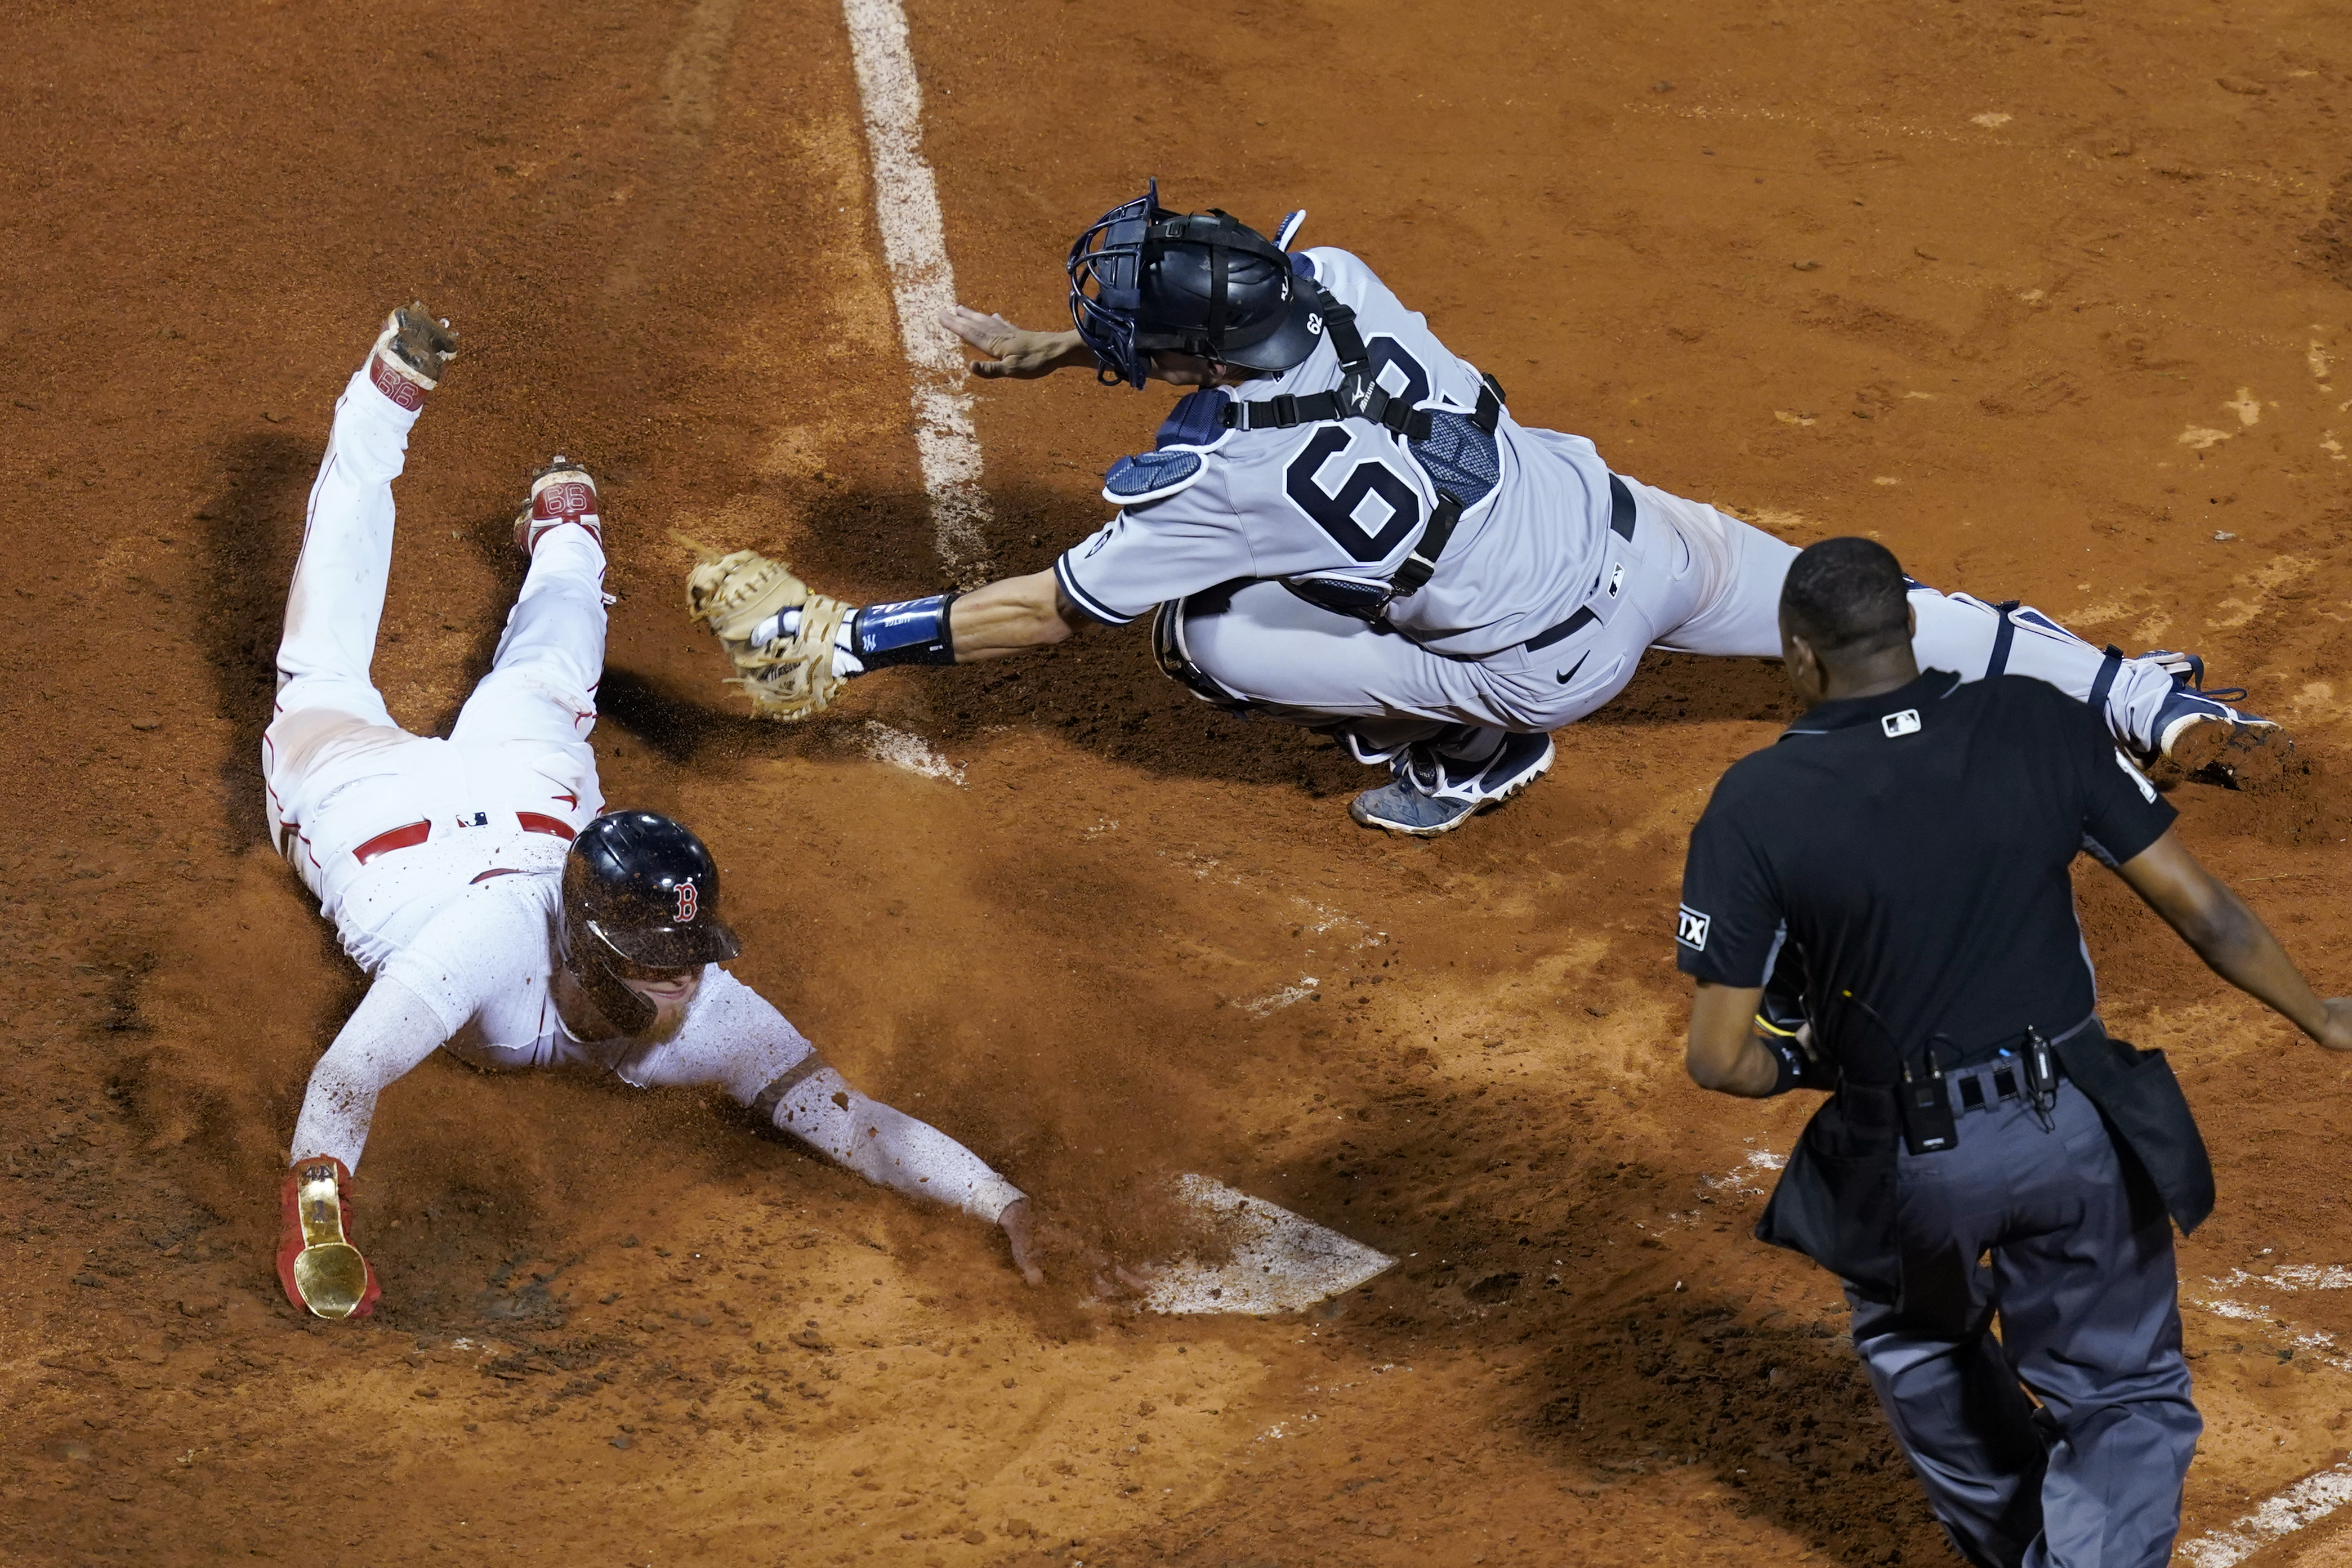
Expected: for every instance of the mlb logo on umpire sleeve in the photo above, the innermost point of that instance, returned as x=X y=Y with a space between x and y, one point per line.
x=1898 y=725
x=1690 y=929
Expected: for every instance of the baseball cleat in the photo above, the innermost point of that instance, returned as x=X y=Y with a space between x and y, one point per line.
x=561 y=493
x=1428 y=794
x=2198 y=731
x=2197 y=728
x=2186 y=669
x=318 y=1266
x=410 y=354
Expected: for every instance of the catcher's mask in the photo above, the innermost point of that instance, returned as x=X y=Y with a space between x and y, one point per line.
x=1144 y=279
x=640 y=898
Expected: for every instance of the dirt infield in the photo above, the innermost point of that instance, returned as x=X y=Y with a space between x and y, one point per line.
x=2004 y=285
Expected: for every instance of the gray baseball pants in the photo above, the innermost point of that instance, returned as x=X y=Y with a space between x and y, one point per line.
x=1701 y=582
x=2077 y=1264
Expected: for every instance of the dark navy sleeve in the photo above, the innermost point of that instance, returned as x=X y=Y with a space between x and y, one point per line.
x=2122 y=812
x=1730 y=926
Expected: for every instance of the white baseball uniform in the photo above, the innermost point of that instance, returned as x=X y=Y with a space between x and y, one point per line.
x=1556 y=577
x=440 y=861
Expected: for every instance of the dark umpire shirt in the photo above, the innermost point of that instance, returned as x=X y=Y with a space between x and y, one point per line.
x=1913 y=848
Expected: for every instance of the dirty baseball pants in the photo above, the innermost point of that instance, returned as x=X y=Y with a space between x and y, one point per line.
x=1700 y=582
x=351 y=796
x=2081 y=1276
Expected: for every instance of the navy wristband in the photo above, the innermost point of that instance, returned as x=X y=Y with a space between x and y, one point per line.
x=911 y=632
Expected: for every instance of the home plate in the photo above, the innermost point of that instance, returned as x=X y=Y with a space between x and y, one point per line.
x=1280 y=1262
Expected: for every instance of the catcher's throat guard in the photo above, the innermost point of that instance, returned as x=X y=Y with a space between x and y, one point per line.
x=317 y=1264
x=1144 y=279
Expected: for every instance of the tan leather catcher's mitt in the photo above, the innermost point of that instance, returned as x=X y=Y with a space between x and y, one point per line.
x=789 y=677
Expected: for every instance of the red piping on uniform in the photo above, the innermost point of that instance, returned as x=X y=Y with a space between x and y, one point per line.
x=539 y=822
x=404 y=838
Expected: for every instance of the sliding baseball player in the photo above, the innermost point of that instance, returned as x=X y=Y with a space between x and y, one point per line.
x=502 y=914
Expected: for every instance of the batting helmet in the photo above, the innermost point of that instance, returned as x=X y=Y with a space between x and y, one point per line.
x=1144 y=279
x=640 y=893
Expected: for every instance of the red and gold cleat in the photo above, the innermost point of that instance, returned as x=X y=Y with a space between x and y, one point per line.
x=410 y=354
x=559 y=493
x=322 y=1273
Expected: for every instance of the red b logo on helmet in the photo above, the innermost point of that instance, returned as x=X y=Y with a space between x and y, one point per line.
x=685 y=904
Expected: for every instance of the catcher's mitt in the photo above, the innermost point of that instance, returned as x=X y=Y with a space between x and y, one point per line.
x=790 y=676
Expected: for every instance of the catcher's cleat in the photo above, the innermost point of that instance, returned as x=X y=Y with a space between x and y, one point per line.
x=2197 y=728
x=1428 y=794
x=2186 y=669
x=321 y=1271
x=410 y=354
x=560 y=493
x=2197 y=732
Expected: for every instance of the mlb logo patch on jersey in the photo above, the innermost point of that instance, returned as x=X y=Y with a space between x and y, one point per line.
x=1898 y=725
x=1690 y=929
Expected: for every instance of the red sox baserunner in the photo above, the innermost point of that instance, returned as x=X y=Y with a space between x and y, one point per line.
x=502 y=914
x=1346 y=527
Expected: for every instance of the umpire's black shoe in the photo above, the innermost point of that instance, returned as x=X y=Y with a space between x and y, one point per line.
x=1428 y=794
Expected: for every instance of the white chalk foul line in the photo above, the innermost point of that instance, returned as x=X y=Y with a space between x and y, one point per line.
x=2320 y=1346
x=2294 y=1277
x=1274 y=1001
x=906 y=207
x=2312 y=1498
x=2306 y=1503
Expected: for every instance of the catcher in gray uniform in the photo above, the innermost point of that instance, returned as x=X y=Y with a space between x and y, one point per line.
x=1344 y=527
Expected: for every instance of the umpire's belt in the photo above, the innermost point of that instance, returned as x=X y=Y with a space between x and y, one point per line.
x=1612 y=564
x=1984 y=1086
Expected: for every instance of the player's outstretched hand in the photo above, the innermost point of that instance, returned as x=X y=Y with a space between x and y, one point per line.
x=1033 y=1236
x=1014 y=1222
x=2335 y=1032
x=1120 y=1283
x=1013 y=351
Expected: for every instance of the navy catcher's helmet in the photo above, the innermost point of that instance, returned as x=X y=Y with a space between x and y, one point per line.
x=640 y=893
x=1144 y=279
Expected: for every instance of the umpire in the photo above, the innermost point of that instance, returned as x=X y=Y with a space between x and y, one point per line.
x=1896 y=870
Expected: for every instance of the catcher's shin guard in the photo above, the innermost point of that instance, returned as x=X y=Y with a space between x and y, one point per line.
x=1176 y=660
x=321 y=1271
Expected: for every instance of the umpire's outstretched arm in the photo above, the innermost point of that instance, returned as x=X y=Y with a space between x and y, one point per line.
x=2233 y=939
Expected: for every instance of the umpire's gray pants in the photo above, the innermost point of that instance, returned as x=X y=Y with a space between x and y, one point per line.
x=2081 y=1273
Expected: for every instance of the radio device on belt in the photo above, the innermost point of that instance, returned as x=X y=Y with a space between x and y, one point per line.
x=2041 y=1075
x=1926 y=1103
